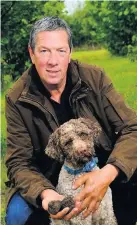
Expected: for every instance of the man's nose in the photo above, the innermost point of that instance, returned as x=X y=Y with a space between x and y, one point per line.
x=53 y=59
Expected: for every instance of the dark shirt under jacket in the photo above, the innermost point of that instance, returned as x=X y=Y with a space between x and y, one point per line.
x=63 y=110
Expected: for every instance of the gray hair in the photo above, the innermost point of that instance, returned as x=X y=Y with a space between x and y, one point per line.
x=49 y=24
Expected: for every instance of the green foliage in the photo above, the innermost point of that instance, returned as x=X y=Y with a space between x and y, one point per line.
x=111 y=24
x=84 y=24
x=132 y=49
x=16 y=21
x=3 y=168
x=132 y=53
x=119 y=24
x=3 y=126
x=6 y=82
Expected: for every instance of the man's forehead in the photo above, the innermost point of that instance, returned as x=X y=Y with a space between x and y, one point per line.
x=48 y=39
x=54 y=33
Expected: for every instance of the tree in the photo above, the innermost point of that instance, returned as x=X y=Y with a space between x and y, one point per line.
x=84 y=24
x=119 y=22
x=112 y=24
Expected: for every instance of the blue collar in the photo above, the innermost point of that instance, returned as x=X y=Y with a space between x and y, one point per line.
x=87 y=167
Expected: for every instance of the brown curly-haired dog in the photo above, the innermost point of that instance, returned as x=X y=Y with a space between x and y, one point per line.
x=73 y=144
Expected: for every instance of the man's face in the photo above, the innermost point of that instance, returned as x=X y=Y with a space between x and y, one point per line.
x=51 y=56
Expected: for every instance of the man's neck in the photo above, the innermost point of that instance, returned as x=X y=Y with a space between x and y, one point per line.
x=56 y=95
x=56 y=91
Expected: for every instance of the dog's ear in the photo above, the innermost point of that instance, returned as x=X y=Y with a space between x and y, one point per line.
x=53 y=149
x=96 y=133
x=96 y=130
x=93 y=125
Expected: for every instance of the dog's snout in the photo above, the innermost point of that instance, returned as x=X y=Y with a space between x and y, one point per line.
x=80 y=145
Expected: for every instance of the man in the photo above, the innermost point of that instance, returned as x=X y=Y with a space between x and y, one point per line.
x=54 y=90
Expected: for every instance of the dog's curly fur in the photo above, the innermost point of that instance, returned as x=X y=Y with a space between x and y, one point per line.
x=73 y=144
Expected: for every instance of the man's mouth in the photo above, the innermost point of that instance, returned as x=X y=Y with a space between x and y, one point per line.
x=52 y=71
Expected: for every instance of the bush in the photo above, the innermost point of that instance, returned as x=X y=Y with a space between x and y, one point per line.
x=132 y=53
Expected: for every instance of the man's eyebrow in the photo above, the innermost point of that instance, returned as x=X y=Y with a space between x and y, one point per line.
x=61 y=47
x=42 y=46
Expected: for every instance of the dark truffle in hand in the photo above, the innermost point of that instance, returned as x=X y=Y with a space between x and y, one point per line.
x=67 y=202
x=54 y=207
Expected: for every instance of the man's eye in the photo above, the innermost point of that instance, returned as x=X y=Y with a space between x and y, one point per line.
x=62 y=51
x=43 y=50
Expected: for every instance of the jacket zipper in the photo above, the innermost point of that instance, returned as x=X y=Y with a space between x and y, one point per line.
x=76 y=87
x=38 y=105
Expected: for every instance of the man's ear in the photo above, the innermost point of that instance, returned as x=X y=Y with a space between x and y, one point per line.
x=53 y=148
x=70 y=56
x=31 y=53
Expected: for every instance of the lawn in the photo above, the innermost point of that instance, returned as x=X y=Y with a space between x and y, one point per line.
x=123 y=74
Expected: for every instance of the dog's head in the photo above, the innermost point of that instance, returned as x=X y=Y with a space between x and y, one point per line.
x=73 y=141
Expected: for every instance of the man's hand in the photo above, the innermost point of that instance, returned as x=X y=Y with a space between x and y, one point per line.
x=95 y=186
x=51 y=195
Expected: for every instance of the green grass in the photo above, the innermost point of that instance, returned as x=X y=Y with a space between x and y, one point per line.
x=124 y=77
x=3 y=191
x=3 y=168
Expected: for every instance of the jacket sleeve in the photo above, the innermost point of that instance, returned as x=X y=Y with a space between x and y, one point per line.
x=21 y=168
x=123 y=120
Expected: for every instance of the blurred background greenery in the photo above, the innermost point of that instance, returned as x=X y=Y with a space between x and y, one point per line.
x=104 y=33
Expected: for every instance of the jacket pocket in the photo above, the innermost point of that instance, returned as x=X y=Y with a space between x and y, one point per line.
x=116 y=101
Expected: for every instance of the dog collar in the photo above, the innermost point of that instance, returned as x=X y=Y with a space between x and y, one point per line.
x=87 y=168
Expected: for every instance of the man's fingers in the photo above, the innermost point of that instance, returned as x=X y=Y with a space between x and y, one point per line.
x=84 y=193
x=91 y=209
x=71 y=214
x=60 y=214
x=79 y=181
x=96 y=206
x=84 y=205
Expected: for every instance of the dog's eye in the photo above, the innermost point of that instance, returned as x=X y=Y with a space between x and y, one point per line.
x=68 y=142
x=83 y=135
